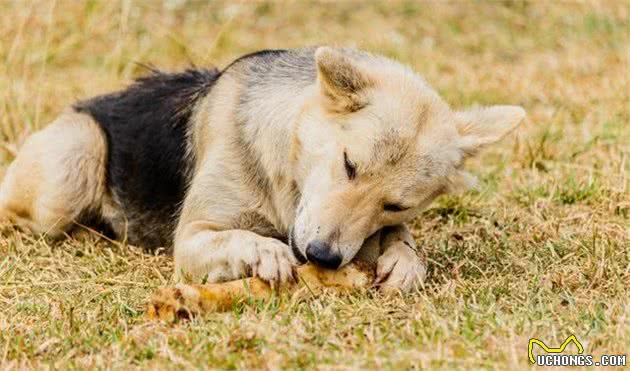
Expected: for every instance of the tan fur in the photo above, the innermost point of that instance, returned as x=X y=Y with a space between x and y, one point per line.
x=57 y=175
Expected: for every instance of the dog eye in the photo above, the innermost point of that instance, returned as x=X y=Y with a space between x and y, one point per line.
x=395 y=208
x=351 y=168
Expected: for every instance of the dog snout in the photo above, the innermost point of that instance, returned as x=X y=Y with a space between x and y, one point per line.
x=321 y=254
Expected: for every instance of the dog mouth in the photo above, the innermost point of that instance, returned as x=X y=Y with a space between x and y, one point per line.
x=296 y=252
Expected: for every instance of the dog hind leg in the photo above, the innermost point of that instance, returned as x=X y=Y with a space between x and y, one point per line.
x=57 y=176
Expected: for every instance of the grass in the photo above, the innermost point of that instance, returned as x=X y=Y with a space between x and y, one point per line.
x=541 y=249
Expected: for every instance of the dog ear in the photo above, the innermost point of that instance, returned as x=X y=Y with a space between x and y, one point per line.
x=481 y=126
x=340 y=80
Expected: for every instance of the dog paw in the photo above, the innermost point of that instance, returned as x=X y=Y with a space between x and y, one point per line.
x=400 y=269
x=274 y=263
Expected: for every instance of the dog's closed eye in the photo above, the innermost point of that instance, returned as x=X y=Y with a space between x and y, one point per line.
x=394 y=208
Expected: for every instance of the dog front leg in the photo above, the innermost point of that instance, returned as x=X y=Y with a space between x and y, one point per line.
x=203 y=254
x=401 y=266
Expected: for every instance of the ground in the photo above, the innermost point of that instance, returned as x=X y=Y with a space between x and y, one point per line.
x=541 y=249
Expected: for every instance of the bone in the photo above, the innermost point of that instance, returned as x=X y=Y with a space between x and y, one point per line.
x=184 y=301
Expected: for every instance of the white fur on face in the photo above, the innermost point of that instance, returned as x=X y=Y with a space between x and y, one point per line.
x=406 y=143
x=393 y=167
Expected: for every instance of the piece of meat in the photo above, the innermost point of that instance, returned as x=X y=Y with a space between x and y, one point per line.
x=183 y=301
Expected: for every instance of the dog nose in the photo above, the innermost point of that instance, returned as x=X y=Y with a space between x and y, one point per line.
x=321 y=254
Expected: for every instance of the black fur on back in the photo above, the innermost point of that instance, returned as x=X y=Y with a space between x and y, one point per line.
x=148 y=165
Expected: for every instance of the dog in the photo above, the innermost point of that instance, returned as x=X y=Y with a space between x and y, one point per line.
x=282 y=157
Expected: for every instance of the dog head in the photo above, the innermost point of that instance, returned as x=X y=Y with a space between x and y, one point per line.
x=377 y=145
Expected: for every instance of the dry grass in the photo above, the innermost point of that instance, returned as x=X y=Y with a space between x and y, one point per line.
x=542 y=249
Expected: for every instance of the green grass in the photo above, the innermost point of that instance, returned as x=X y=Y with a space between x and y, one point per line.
x=541 y=249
